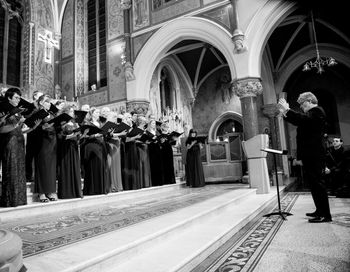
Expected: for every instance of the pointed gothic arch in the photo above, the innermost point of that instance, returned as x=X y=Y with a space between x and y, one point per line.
x=257 y=33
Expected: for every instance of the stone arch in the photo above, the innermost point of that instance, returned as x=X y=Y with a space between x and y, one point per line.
x=220 y=119
x=261 y=26
x=170 y=34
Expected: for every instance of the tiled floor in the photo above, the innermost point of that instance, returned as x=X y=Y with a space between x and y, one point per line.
x=290 y=246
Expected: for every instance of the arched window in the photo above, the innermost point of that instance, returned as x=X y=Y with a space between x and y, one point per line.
x=97 y=58
x=10 y=42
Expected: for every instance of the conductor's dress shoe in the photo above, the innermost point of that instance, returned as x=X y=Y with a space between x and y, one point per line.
x=313 y=214
x=320 y=219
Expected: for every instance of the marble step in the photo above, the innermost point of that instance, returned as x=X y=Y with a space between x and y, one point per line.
x=175 y=241
x=190 y=247
x=36 y=208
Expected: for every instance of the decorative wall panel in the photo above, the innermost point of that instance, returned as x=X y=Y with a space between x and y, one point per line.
x=174 y=10
x=79 y=48
x=67 y=87
x=116 y=78
x=115 y=19
x=140 y=11
x=139 y=41
x=94 y=99
x=68 y=30
x=221 y=15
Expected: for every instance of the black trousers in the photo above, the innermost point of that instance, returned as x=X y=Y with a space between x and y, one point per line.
x=313 y=174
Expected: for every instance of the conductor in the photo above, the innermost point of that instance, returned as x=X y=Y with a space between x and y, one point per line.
x=311 y=151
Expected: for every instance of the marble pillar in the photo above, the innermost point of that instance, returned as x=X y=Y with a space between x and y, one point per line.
x=271 y=112
x=247 y=90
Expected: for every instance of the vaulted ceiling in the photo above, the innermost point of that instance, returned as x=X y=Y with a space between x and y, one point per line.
x=297 y=31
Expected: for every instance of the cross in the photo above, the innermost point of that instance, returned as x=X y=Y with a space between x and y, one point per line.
x=49 y=42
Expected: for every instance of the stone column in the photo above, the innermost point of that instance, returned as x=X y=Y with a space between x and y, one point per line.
x=139 y=106
x=247 y=90
x=271 y=111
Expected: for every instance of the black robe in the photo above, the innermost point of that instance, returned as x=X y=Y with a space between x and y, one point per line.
x=45 y=161
x=69 y=179
x=194 y=167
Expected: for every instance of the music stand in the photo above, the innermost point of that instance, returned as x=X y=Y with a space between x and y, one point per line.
x=275 y=152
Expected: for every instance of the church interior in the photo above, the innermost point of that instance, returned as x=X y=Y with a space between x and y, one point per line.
x=217 y=66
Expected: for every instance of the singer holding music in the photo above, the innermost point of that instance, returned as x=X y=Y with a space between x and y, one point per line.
x=194 y=167
x=311 y=151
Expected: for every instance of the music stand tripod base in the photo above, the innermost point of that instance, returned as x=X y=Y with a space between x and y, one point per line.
x=279 y=212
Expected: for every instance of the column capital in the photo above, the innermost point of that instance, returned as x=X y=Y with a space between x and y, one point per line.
x=139 y=106
x=247 y=87
x=270 y=110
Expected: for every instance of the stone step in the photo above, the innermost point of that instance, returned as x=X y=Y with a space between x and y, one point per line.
x=188 y=248
x=192 y=233
x=36 y=208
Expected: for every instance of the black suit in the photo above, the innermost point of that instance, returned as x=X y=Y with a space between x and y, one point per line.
x=311 y=150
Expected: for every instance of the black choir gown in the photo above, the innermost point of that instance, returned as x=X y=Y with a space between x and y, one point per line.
x=131 y=169
x=69 y=179
x=114 y=163
x=194 y=167
x=167 y=157
x=12 y=154
x=144 y=165
x=95 y=166
x=156 y=164
x=45 y=160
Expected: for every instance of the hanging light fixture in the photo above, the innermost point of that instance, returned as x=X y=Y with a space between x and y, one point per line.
x=319 y=62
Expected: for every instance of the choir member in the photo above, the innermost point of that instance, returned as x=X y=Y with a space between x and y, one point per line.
x=68 y=160
x=94 y=159
x=142 y=149
x=156 y=164
x=31 y=144
x=131 y=166
x=194 y=167
x=45 y=158
x=12 y=154
x=113 y=144
x=167 y=155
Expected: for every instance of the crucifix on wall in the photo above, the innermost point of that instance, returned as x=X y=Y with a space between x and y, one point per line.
x=49 y=43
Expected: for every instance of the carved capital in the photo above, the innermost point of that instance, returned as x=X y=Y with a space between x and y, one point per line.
x=247 y=87
x=125 y=4
x=270 y=110
x=139 y=106
x=129 y=71
x=238 y=41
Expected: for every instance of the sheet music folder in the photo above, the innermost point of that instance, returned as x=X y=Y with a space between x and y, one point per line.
x=274 y=151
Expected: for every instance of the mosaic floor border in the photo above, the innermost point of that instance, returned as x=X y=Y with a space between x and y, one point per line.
x=50 y=233
x=249 y=245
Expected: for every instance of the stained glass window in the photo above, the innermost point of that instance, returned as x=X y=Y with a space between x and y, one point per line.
x=97 y=59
